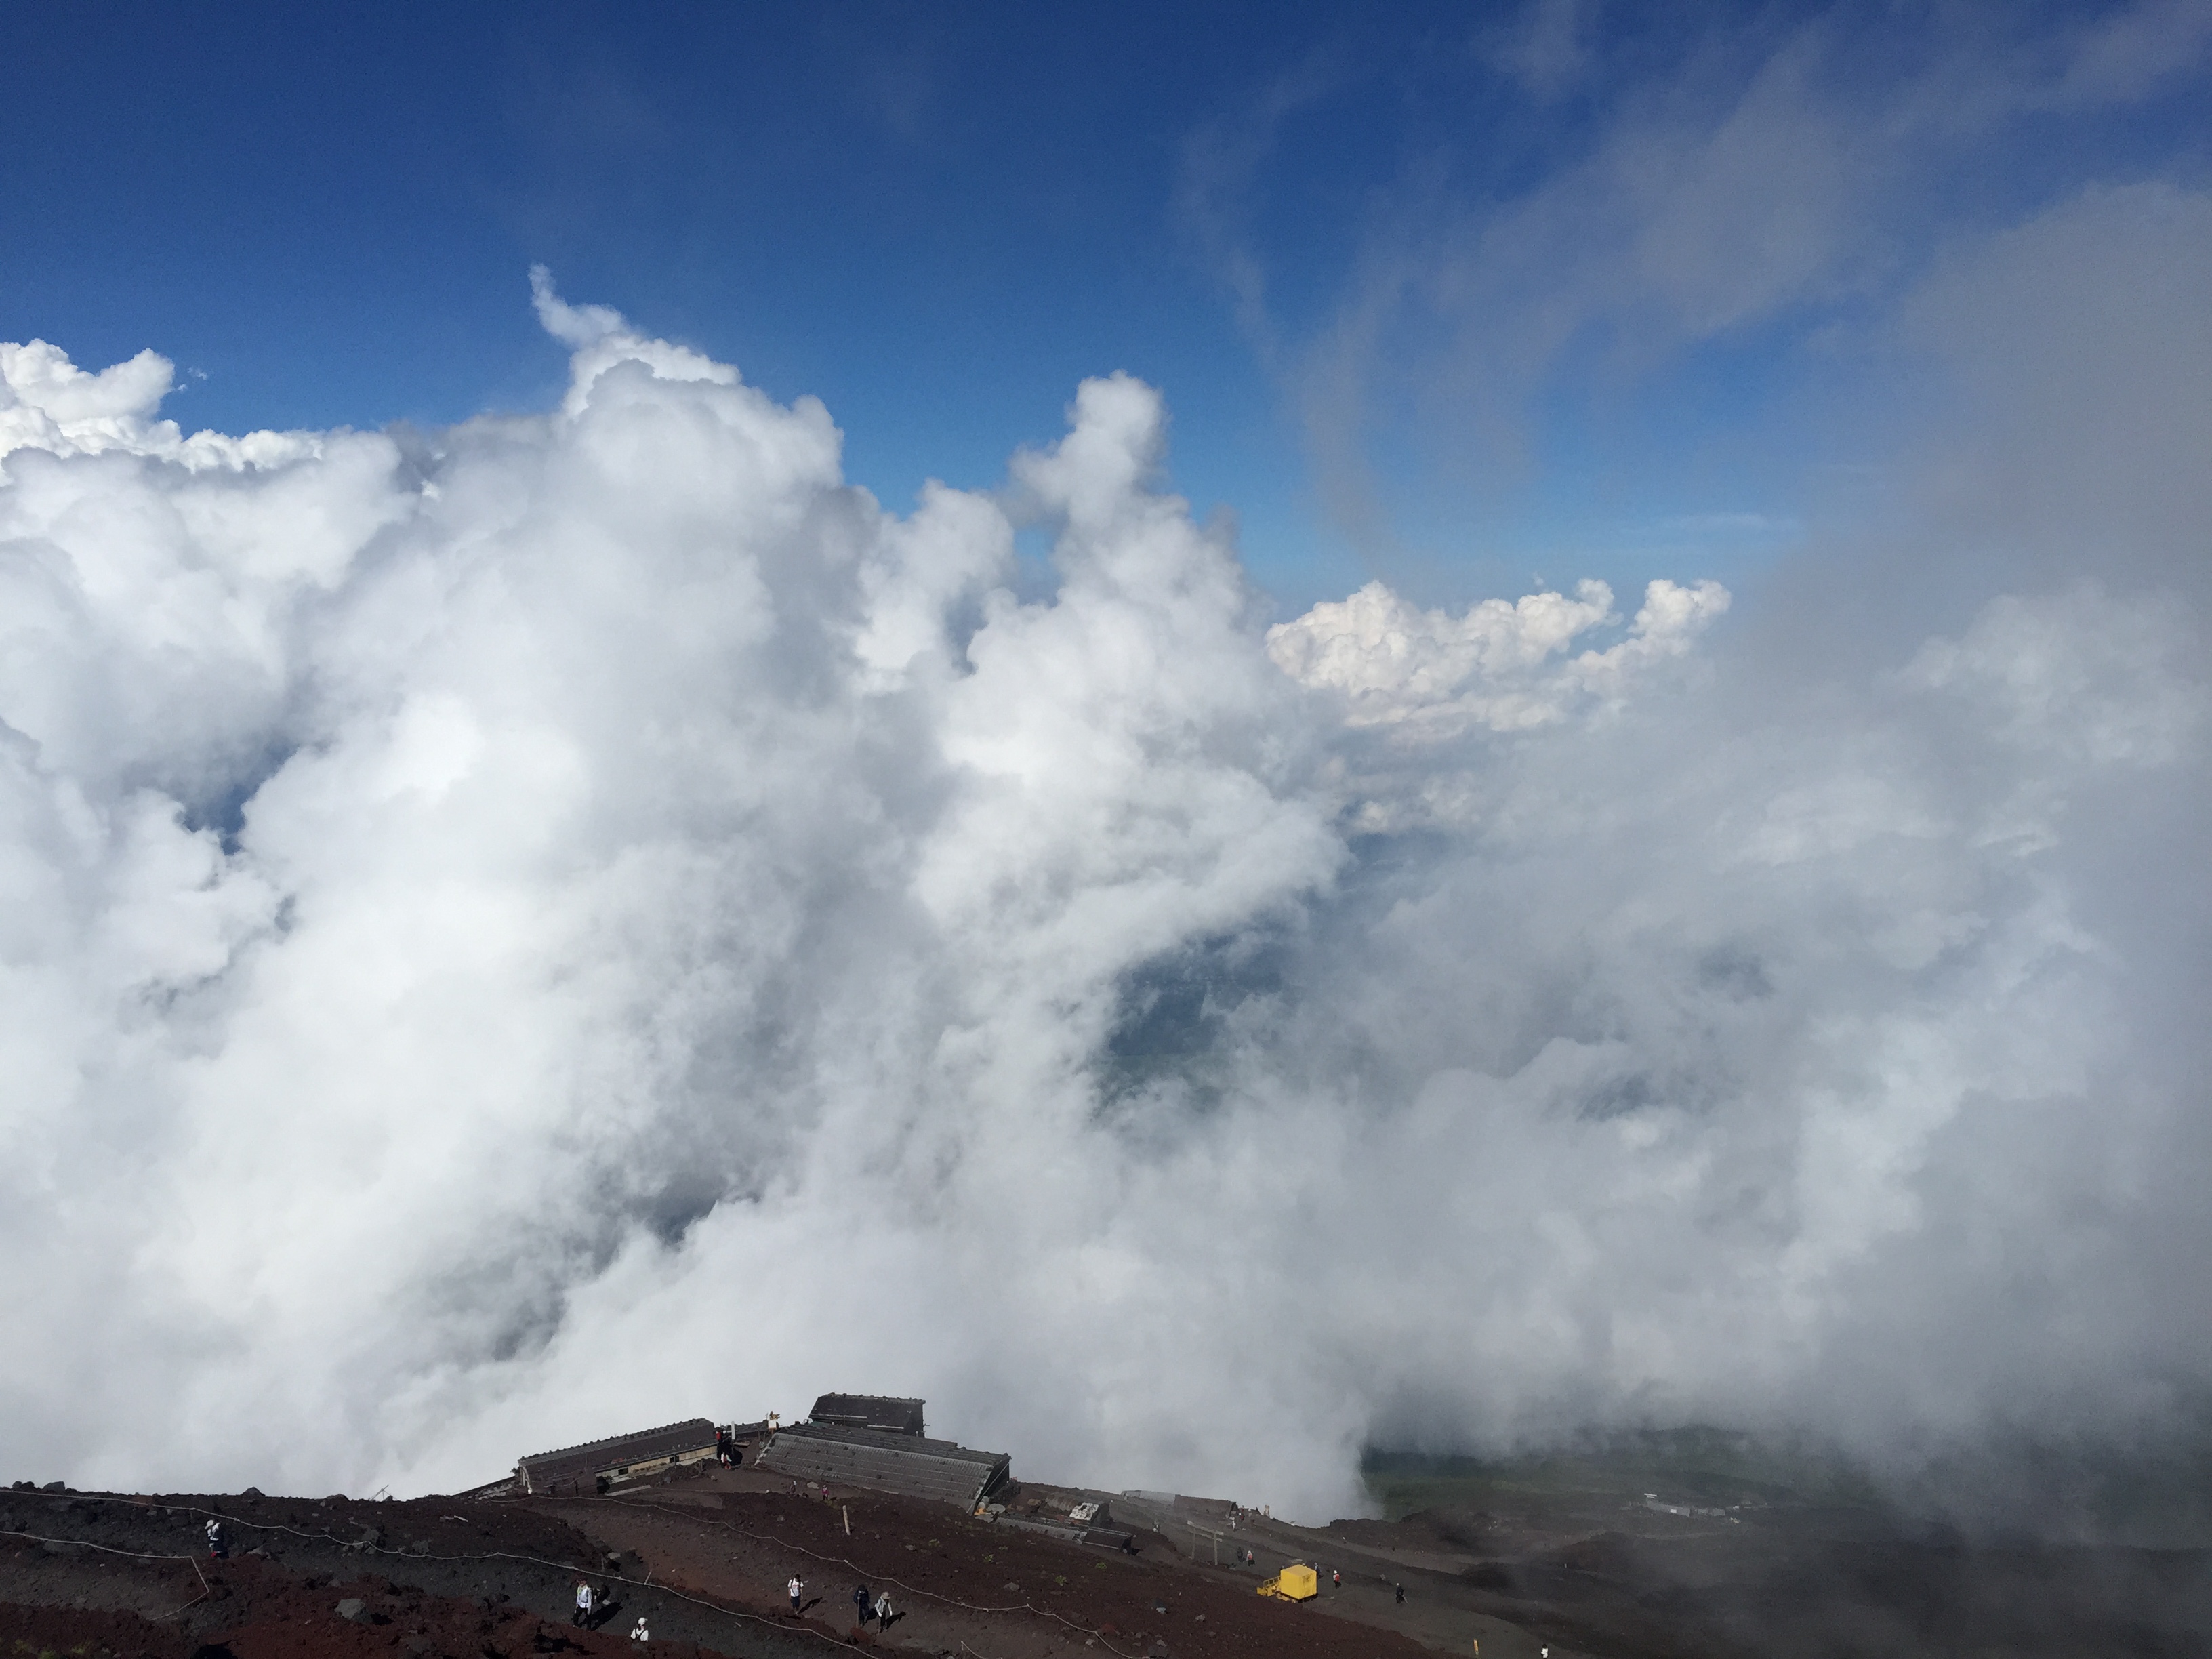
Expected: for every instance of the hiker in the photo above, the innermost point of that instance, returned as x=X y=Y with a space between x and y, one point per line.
x=1400 y=1589
x=583 y=1614
x=722 y=1447
x=218 y=1541
x=1335 y=1579
x=795 y=1586
x=884 y=1611
x=640 y=1634
x=860 y=1605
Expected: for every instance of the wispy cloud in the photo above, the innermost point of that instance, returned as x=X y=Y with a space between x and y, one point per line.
x=1765 y=173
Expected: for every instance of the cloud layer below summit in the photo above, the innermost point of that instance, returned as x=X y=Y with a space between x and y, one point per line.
x=585 y=918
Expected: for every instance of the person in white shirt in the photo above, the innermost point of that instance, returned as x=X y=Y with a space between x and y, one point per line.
x=884 y=1611
x=795 y=1586
x=640 y=1634
x=583 y=1614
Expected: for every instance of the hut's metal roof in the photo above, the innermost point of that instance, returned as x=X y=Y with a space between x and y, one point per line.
x=904 y=1463
x=568 y=1463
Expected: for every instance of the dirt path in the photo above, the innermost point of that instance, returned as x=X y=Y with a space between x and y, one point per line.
x=957 y=1580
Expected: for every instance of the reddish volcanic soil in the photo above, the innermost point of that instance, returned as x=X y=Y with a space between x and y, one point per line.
x=1004 y=1593
x=704 y=1556
x=704 y=1559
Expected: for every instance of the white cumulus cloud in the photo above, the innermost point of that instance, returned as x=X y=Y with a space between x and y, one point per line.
x=587 y=918
x=1499 y=665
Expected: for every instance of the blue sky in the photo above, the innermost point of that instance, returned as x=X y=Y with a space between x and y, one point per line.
x=1455 y=295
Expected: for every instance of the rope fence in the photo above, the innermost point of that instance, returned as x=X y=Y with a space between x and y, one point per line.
x=206 y=1589
x=565 y=1566
x=842 y=1561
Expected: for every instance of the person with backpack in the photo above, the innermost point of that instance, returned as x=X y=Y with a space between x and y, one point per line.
x=861 y=1606
x=884 y=1611
x=582 y=1615
x=218 y=1541
x=796 y=1586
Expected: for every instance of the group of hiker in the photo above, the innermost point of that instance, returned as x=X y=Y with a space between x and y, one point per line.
x=864 y=1607
x=590 y=1610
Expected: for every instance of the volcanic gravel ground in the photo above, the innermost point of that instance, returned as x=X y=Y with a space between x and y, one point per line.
x=705 y=1554
x=482 y=1579
x=433 y=1576
x=479 y=1579
x=1004 y=1593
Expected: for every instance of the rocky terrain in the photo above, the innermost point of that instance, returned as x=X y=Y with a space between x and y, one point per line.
x=703 y=1555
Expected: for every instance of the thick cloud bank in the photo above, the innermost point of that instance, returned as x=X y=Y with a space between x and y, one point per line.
x=573 y=921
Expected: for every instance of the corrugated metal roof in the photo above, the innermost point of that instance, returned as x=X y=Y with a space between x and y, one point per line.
x=908 y=1444
x=902 y=1463
x=541 y=1468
